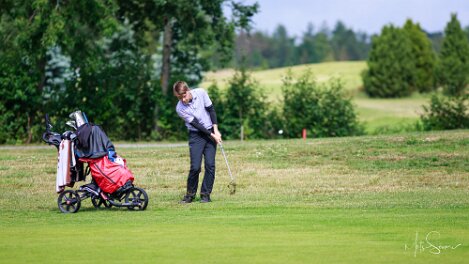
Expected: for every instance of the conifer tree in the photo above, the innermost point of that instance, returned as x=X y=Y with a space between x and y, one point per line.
x=423 y=56
x=390 y=65
x=453 y=70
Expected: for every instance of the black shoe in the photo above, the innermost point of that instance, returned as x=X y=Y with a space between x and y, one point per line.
x=205 y=198
x=187 y=199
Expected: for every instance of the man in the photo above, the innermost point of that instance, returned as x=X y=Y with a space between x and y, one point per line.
x=196 y=109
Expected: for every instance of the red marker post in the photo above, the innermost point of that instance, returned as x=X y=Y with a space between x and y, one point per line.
x=304 y=133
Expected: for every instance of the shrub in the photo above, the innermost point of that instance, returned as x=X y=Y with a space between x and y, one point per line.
x=324 y=110
x=446 y=113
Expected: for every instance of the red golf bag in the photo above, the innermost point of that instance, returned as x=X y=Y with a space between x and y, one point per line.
x=108 y=175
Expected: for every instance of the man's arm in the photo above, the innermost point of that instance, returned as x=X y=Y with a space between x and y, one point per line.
x=213 y=116
x=215 y=135
x=195 y=123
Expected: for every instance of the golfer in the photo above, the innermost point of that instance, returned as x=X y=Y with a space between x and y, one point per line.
x=196 y=109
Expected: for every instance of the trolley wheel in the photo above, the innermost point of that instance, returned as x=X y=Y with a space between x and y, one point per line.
x=69 y=202
x=138 y=199
x=98 y=201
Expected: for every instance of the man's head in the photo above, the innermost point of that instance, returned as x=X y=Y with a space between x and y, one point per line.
x=181 y=91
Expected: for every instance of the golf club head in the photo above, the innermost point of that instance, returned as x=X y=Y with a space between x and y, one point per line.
x=72 y=124
x=78 y=117
x=232 y=187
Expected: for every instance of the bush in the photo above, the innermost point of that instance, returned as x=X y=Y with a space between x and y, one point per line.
x=244 y=105
x=324 y=111
x=446 y=113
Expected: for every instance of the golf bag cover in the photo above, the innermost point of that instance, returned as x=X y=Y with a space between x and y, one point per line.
x=109 y=175
x=92 y=142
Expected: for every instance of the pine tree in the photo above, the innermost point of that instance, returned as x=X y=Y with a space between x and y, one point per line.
x=423 y=56
x=453 y=70
x=391 y=67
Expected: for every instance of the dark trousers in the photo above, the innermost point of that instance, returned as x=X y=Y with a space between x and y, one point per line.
x=201 y=145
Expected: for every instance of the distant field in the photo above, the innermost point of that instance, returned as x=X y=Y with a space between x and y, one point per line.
x=271 y=80
x=389 y=115
x=379 y=115
x=371 y=199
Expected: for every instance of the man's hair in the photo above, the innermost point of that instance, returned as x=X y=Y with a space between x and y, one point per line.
x=180 y=87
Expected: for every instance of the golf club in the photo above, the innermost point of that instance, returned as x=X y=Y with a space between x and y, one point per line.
x=232 y=185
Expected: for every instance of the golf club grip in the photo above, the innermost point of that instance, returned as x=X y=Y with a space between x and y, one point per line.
x=47 y=122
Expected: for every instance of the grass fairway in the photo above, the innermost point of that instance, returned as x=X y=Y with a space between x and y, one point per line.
x=366 y=199
x=393 y=115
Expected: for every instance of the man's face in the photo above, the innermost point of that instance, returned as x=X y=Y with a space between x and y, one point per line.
x=184 y=97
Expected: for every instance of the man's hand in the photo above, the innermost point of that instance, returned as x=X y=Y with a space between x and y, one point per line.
x=216 y=135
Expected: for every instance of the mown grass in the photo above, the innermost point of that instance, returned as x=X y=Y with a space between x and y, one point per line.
x=380 y=116
x=334 y=200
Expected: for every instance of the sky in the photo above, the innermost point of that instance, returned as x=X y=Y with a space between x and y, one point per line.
x=361 y=15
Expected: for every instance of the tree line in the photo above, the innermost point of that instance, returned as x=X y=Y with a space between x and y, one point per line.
x=116 y=60
x=262 y=50
x=279 y=49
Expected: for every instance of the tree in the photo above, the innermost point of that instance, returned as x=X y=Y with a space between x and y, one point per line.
x=391 y=68
x=347 y=44
x=344 y=43
x=284 y=48
x=306 y=50
x=191 y=33
x=255 y=49
x=127 y=79
x=244 y=107
x=423 y=56
x=453 y=69
x=188 y=29
x=32 y=32
x=314 y=47
x=322 y=46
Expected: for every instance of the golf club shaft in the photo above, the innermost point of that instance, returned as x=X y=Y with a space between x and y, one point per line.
x=226 y=161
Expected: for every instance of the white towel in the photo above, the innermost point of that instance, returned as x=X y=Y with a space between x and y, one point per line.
x=63 y=166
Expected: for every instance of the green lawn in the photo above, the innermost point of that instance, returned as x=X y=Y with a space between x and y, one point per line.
x=378 y=115
x=334 y=200
x=390 y=115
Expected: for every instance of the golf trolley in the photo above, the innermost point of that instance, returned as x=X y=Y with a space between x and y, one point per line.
x=132 y=197
x=112 y=182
